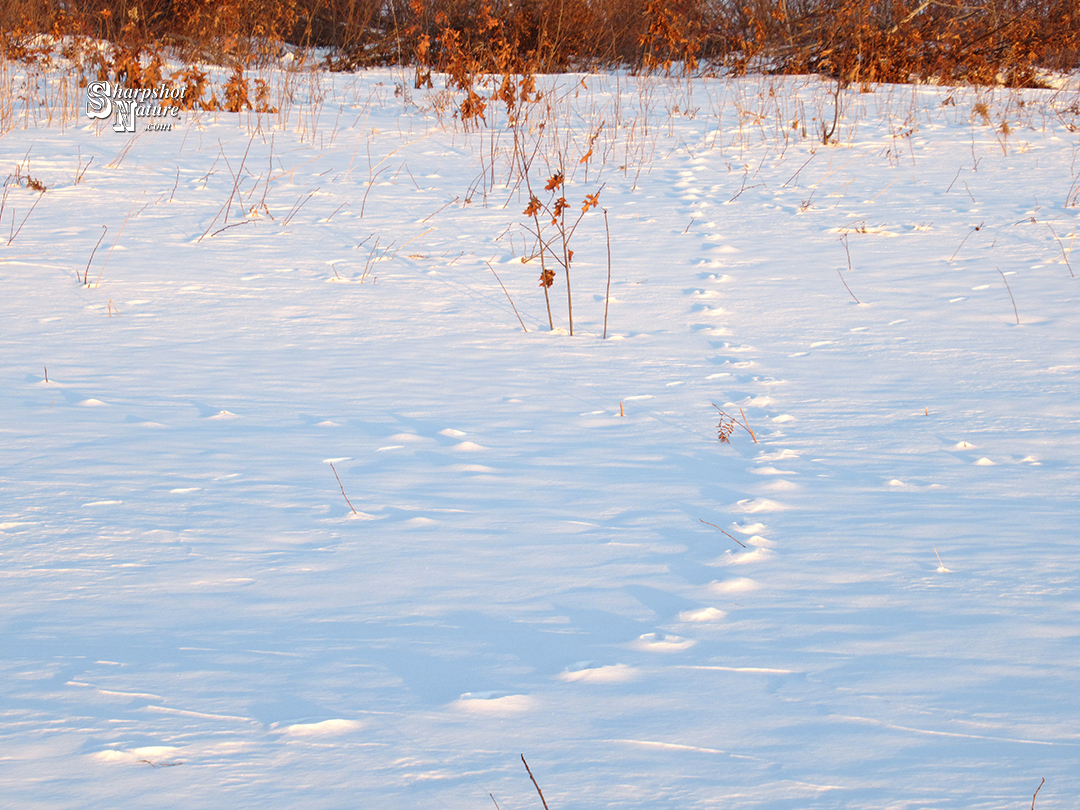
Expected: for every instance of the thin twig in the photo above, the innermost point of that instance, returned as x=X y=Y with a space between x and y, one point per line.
x=335 y=211
x=236 y=179
x=266 y=185
x=235 y=224
x=372 y=257
x=28 y=213
x=848 y=252
x=86 y=273
x=538 y=790
x=433 y=213
x=800 y=169
x=343 y=495
x=508 y=298
x=1007 y=287
x=367 y=190
x=296 y=208
x=1043 y=782
x=108 y=255
x=736 y=539
x=746 y=425
x=3 y=200
x=976 y=228
x=954 y=180
x=1064 y=255
x=607 y=292
x=81 y=172
x=496 y=803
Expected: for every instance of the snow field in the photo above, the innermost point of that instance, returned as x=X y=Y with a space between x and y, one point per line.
x=193 y=614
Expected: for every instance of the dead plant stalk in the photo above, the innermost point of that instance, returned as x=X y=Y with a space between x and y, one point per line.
x=508 y=298
x=728 y=423
x=538 y=790
x=342 y=487
x=848 y=252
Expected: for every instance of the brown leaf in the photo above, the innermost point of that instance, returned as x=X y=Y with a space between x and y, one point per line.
x=560 y=205
x=554 y=181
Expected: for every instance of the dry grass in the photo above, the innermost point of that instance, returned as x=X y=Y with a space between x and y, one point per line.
x=984 y=42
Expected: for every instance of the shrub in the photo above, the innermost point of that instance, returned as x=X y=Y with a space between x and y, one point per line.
x=982 y=41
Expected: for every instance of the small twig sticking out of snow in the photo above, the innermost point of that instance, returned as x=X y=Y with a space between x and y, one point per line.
x=941 y=566
x=371 y=182
x=538 y=790
x=954 y=179
x=335 y=211
x=266 y=185
x=86 y=273
x=1064 y=254
x=736 y=539
x=28 y=213
x=973 y=230
x=296 y=208
x=1043 y=782
x=80 y=170
x=343 y=495
x=1007 y=287
x=607 y=292
x=374 y=255
x=433 y=213
x=233 y=225
x=123 y=225
x=848 y=252
x=812 y=156
x=508 y=298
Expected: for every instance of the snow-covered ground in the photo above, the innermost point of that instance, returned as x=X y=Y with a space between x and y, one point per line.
x=194 y=617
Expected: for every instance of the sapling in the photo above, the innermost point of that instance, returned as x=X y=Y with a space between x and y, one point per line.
x=557 y=247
